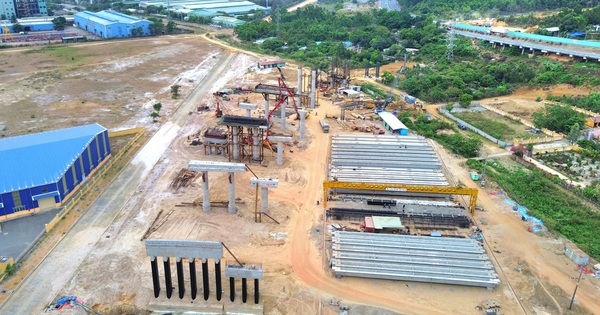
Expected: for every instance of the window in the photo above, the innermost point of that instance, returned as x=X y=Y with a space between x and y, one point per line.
x=16 y=196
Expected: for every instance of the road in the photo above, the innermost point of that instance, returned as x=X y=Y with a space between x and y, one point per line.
x=545 y=48
x=392 y=5
x=42 y=285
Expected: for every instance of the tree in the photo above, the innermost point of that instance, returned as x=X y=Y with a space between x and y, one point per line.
x=3 y=17
x=59 y=23
x=157 y=27
x=574 y=134
x=137 y=31
x=13 y=19
x=174 y=90
x=157 y=106
x=465 y=100
x=387 y=77
x=18 y=28
x=154 y=116
x=558 y=118
x=171 y=27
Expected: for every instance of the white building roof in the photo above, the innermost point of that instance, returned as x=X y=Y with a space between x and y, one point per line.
x=392 y=121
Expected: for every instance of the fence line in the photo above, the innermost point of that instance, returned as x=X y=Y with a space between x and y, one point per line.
x=442 y=109
x=89 y=183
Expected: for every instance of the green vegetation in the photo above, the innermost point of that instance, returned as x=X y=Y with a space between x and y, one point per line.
x=559 y=209
x=558 y=118
x=374 y=92
x=477 y=8
x=433 y=128
x=493 y=127
x=590 y=102
x=568 y=20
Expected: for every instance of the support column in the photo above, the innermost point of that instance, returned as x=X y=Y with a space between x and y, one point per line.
x=231 y=289
x=236 y=148
x=298 y=98
x=232 y=208
x=302 y=123
x=264 y=200
x=155 y=279
x=244 y=290
x=180 y=278
x=193 y=283
x=205 y=196
x=266 y=106
x=168 y=283
x=282 y=108
x=256 y=296
x=313 y=87
x=248 y=113
x=218 y=279
x=280 y=153
x=255 y=145
x=205 y=287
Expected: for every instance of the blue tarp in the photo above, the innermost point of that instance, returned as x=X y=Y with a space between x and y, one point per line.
x=576 y=34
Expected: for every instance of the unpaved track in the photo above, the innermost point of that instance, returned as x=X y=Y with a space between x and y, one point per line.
x=40 y=286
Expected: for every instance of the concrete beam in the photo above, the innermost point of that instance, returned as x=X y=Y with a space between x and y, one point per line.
x=264 y=182
x=184 y=248
x=212 y=166
x=280 y=138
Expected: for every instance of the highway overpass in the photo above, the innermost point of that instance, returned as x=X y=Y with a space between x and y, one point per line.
x=530 y=47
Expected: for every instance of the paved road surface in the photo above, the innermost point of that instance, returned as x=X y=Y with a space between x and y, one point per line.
x=42 y=285
x=567 y=50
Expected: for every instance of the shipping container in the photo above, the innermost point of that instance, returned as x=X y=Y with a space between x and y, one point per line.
x=576 y=255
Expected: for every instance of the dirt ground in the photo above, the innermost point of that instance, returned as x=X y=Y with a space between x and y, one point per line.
x=116 y=83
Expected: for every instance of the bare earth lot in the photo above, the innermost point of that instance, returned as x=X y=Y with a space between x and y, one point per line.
x=116 y=83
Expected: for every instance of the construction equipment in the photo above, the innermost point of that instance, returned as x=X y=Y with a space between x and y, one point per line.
x=218 y=111
x=6 y=35
x=389 y=98
x=403 y=188
x=285 y=93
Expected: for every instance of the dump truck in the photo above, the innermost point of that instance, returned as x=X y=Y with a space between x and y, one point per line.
x=324 y=125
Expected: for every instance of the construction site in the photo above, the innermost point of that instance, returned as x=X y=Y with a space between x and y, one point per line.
x=286 y=191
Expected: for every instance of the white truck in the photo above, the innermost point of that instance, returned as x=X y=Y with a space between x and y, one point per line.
x=324 y=125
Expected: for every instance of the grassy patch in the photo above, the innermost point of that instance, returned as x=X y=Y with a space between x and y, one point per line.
x=560 y=210
x=496 y=125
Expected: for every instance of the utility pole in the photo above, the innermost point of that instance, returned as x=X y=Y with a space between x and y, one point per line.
x=576 y=286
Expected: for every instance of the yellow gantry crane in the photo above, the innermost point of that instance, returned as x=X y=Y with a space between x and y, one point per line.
x=472 y=192
x=6 y=35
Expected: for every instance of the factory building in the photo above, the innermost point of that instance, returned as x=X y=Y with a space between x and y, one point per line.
x=230 y=8
x=41 y=171
x=111 y=24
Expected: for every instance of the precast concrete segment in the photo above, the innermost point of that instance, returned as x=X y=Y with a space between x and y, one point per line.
x=302 y=114
x=155 y=276
x=412 y=258
x=205 y=287
x=231 y=289
x=232 y=208
x=256 y=295
x=280 y=153
x=255 y=145
x=205 y=195
x=313 y=86
x=212 y=166
x=193 y=283
x=180 y=278
x=246 y=271
x=283 y=121
x=244 y=290
x=266 y=105
x=236 y=149
x=184 y=248
x=218 y=279
x=264 y=200
x=243 y=121
x=168 y=283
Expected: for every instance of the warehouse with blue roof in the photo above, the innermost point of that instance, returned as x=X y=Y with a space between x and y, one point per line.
x=111 y=24
x=41 y=171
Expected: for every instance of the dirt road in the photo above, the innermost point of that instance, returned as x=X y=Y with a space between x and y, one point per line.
x=40 y=287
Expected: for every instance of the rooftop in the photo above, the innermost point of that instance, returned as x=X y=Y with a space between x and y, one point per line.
x=108 y=17
x=42 y=158
x=392 y=121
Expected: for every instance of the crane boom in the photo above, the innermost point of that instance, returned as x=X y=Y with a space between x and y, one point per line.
x=388 y=98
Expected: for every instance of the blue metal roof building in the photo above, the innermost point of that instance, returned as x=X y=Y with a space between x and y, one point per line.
x=393 y=124
x=42 y=170
x=111 y=24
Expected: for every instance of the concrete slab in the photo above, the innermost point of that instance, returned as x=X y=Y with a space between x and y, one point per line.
x=20 y=234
